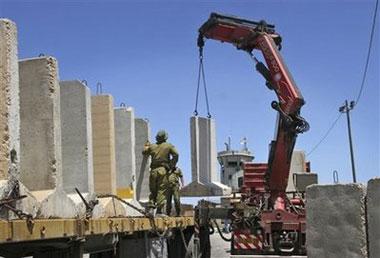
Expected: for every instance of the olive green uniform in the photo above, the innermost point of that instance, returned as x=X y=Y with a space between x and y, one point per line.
x=174 y=177
x=164 y=158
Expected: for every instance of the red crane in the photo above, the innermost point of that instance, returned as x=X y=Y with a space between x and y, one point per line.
x=248 y=36
x=269 y=182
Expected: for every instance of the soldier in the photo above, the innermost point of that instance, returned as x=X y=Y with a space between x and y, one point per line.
x=175 y=180
x=164 y=158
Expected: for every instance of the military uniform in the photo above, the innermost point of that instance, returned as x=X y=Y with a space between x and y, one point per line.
x=174 y=177
x=164 y=158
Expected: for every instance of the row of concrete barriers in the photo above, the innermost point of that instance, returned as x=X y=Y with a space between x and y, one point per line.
x=343 y=220
x=55 y=136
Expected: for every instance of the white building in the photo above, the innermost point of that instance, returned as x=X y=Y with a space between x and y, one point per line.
x=231 y=172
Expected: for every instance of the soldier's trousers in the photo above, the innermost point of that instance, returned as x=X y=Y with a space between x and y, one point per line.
x=173 y=192
x=157 y=185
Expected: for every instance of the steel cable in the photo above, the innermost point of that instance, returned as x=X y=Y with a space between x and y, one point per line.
x=201 y=75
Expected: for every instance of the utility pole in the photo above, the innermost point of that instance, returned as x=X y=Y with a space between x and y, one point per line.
x=346 y=109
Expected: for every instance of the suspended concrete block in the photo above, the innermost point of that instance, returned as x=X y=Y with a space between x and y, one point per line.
x=373 y=215
x=204 y=163
x=9 y=96
x=103 y=135
x=142 y=135
x=125 y=152
x=76 y=126
x=40 y=136
x=336 y=221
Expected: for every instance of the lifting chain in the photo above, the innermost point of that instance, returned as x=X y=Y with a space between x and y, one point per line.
x=7 y=203
x=146 y=214
x=89 y=205
x=201 y=76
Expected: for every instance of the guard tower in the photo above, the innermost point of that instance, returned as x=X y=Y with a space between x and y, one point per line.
x=231 y=171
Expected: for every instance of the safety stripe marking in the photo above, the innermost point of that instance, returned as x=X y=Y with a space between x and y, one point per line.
x=247 y=241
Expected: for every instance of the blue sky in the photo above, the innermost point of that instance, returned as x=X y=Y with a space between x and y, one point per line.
x=144 y=53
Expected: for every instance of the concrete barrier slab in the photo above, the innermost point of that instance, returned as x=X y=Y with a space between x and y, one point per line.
x=108 y=207
x=142 y=134
x=131 y=211
x=28 y=205
x=103 y=135
x=55 y=204
x=336 y=221
x=373 y=215
x=76 y=127
x=302 y=180
x=40 y=124
x=204 y=161
x=9 y=96
x=79 y=204
x=198 y=189
x=125 y=152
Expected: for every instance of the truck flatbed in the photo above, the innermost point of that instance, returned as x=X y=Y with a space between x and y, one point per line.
x=19 y=230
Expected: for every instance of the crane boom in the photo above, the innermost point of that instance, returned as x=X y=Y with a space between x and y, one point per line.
x=248 y=36
x=272 y=219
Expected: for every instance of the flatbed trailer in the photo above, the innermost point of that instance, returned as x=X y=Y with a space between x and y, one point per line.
x=104 y=237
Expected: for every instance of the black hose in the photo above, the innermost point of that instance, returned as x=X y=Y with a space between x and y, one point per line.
x=221 y=234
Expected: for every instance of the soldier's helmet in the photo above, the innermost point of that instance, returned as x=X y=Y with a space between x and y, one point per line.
x=161 y=136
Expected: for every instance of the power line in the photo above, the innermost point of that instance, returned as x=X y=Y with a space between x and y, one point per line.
x=368 y=53
x=325 y=135
x=362 y=83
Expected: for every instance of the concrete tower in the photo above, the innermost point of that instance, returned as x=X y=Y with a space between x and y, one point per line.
x=231 y=172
